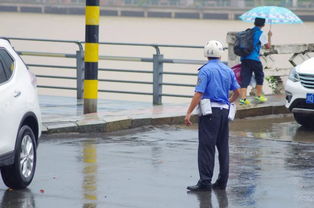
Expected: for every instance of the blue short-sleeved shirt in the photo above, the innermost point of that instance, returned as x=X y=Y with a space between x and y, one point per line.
x=215 y=80
x=255 y=54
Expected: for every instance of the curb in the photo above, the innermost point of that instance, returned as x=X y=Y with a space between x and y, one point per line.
x=97 y=126
x=261 y=111
x=112 y=126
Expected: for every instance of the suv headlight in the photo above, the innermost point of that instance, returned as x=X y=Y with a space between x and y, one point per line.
x=293 y=76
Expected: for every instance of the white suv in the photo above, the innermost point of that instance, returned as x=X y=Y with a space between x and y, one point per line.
x=20 y=121
x=300 y=93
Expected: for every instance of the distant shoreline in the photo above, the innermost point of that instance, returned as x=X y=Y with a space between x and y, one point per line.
x=215 y=13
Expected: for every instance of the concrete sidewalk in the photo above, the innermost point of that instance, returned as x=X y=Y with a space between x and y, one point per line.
x=65 y=114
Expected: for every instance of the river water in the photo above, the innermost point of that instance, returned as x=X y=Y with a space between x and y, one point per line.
x=132 y=30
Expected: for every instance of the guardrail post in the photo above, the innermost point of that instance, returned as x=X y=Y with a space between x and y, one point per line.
x=79 y=74
x=157 y=78
x=91 y=56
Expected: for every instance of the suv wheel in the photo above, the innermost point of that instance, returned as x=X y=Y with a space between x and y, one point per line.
x=21 y=173
x=304 y=120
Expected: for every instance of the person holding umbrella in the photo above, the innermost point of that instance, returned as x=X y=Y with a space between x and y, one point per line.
x=260 y=15
x=252 y=64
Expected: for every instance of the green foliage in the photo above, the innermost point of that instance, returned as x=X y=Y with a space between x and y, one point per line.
x=272 y=82
x=275 y=83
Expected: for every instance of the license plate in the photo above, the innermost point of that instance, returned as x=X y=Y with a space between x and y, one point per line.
x=309 y=98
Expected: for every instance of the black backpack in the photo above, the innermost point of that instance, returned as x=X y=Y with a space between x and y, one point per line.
x=244 y=45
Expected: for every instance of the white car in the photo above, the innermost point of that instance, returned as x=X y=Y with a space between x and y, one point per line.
x=300 y=93
x=20 y=120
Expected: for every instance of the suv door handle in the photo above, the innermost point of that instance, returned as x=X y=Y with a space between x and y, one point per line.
x=17 y=93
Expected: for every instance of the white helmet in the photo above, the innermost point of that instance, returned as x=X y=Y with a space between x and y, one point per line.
x=213 y=48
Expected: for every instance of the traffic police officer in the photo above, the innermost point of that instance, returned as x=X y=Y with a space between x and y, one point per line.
x=215 y=80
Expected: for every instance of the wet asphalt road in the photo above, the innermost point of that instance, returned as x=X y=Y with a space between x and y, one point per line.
x=271 y=165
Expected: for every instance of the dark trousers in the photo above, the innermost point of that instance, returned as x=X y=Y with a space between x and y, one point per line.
x=248 y=68
x=213 y=131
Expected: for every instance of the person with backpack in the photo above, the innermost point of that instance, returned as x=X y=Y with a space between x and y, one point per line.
x=215 y=80
x=248 y=45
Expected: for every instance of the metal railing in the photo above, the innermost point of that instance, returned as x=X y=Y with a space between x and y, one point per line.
x=175 y=3
x=157 y=70
x=79 y=63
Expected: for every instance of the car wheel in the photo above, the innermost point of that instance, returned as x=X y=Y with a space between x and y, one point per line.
x=304 y=120
x=21 y=173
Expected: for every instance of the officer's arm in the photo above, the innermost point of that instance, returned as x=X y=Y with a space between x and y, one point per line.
x=195 y=101
x=234 y=96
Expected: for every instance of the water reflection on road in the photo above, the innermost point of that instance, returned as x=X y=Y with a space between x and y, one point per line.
x=18 y=199
x=275 y=127
x=90 y=174
x=151 y=167
x=205 y=199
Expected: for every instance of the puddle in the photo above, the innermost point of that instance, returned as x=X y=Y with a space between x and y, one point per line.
x=275 y=127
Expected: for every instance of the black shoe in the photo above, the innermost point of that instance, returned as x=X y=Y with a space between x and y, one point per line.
x=199 y=187
x=219 y=186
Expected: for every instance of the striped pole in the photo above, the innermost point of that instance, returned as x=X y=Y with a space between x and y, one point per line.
x=91 y=56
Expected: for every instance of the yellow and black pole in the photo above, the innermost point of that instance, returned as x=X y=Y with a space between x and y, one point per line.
x=91 y=56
